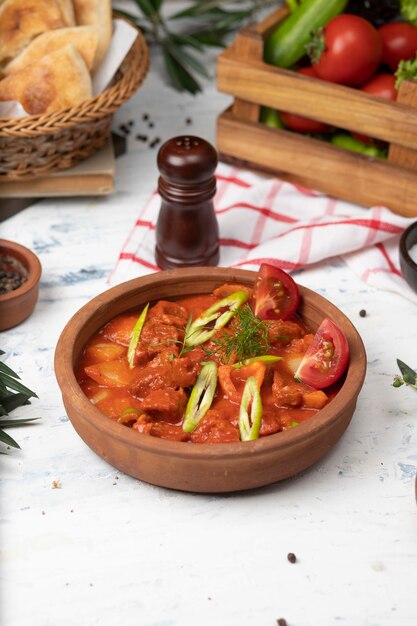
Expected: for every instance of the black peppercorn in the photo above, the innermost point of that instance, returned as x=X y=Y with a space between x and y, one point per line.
x=362 y=313
x=282 y=622
x=291 y=557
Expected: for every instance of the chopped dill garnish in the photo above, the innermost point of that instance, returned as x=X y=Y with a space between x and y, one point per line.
x=249 y=338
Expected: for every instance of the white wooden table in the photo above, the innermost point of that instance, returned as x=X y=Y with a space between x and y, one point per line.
x=104 y=549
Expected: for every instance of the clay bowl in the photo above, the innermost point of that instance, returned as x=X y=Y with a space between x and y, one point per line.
x=408 y=266
x=199 y=467
x=17 y=305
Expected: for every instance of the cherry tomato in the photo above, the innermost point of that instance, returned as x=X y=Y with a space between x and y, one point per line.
x=352 y=51
x=383 y=86
x=303 y=124
x=399 y=42
x=326 y=358
x=276 y=294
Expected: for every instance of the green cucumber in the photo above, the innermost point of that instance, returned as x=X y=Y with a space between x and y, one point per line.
x=343 y=140
x=287 y=44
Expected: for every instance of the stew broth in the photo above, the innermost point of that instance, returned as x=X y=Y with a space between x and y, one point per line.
x=151 y=397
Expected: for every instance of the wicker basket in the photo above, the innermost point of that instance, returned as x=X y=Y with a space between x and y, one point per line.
x=41 y=144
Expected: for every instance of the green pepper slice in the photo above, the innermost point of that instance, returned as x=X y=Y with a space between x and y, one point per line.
x=267 y=359
x=197 y=333
x=249 y=427
x=135 y=336
x=201 y=396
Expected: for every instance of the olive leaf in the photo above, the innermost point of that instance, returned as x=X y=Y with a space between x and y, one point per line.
x=409 y=376
x=184 y=35
x=13 y=394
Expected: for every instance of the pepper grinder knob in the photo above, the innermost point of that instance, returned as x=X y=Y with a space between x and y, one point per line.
x=187 y=232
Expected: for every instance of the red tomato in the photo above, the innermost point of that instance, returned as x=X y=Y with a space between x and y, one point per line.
x=352 y=51
x=399 y=42
x=383 y=86
x=326 y=358
x=276 y=294
x=303 y=124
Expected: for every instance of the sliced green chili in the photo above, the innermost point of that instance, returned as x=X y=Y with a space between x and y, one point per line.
x=135 y=336
x=198 y=332
x=267 y=359
x=249 y=427
x=201 y=396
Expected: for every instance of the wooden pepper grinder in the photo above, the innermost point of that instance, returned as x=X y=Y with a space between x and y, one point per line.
x=187 y=232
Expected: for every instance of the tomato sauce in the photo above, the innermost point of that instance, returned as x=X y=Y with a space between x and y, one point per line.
x=151 y=396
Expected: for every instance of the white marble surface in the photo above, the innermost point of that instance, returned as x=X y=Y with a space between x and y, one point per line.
x=105 y=549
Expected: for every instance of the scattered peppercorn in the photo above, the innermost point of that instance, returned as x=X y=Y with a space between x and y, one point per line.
x=142 y=137
x=145 y=117
x=131 y=123
x=291 y=557
x=188 y=121
x=154 y=142
x=151 y=125
x=282 y=622
x=362 y=313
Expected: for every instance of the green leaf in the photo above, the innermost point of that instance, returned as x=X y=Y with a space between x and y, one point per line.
x=7 y=370
x=13 y=401
x=18 y=422
x=184 y=58
x=409 y=375
x=11 y=383
x=5 y=438
x=407 y=70
x=187 y=40
x=180 y=77
x=146 y=6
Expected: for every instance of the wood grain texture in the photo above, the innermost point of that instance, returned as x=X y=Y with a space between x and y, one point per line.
x=248 y=45
x=405 y=157
x=336 y=105
x=314 y=163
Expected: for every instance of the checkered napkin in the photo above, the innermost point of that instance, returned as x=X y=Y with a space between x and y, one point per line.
x=264 y=219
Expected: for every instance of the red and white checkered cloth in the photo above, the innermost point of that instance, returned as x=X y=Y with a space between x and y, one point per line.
x=264 y=219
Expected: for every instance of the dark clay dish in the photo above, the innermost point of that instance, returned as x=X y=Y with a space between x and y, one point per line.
x=408 y=266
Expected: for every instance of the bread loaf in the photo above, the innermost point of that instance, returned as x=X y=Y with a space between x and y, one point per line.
x=22 y=20
x=84 y=38
x=97 y=13
x=56 y=82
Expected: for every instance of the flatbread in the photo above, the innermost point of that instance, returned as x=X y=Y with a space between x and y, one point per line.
x=97 y=13
x=58 y=81
x=84 y=38
x=22 y=20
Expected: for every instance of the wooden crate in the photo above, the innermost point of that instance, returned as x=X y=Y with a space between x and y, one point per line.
x=364 y=180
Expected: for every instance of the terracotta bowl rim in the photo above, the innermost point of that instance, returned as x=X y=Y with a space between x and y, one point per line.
x=73 y=394
x=33 y=266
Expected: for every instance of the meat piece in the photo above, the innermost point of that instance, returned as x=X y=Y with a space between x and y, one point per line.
x=270 y=424
x=285 y=395
x=155 y=338
x=164 y=371
x=214 y=428
x=282 y=333
x=173 y=432
x=184 y=372
x=155 y=375
x=170 y=313
x=167 y=405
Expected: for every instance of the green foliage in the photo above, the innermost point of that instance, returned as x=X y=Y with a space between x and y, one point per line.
x=409 y=376
x=13 y=394
x=185 y=35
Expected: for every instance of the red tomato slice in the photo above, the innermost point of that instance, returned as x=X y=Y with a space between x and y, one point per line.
x=326 y=358
x=276 y=294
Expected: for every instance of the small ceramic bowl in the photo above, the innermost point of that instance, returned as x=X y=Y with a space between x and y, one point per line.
x=408 y=266
x=17 y=305
x=204 y=468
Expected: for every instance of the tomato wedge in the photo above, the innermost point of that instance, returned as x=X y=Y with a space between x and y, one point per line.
x=276 y=294
x=326 y=358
